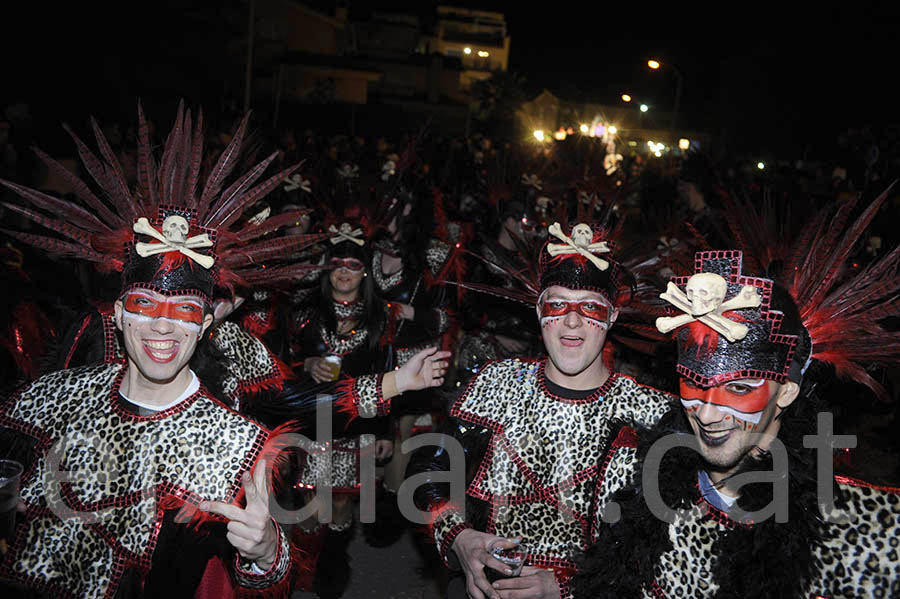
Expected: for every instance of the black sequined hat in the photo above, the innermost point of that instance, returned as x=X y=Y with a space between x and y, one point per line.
x=589 y=267
x=768 y=339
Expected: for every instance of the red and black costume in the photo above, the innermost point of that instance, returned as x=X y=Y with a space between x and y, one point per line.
x=804 y=323
x=532 y=448
x=122 y=529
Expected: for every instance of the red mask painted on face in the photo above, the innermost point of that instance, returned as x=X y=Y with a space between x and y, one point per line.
x=744 y=399
x=185 y=310
x=589 y=309
x=351 y=264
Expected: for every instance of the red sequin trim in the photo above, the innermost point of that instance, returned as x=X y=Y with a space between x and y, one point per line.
x=855 y=482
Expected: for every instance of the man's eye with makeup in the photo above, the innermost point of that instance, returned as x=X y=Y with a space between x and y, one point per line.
x=144 y=301
x=189 y=308
x=739 y=388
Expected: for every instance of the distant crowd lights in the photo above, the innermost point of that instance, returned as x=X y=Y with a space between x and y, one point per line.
x=601 y=129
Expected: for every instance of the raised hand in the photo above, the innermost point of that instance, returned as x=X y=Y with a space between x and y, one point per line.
x=251 y=529
x=425 y=369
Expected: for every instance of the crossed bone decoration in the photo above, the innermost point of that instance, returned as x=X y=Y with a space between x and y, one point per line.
x=346 y=233
x=704 y=302
x=297 y=182
x=173 y=238
x=579 y=243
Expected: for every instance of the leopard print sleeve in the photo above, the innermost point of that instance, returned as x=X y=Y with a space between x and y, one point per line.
x=617 y=470
x=367 y=396
x=639 y=405
x=860 y=556
x=277 y=575
x=446 y=527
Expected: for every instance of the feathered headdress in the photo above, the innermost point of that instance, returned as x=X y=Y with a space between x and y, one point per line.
x=174 y=232
x=839 y=315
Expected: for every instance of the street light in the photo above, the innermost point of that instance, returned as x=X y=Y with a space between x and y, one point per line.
x=626 y=98
x=644 y=108
x=679 y=80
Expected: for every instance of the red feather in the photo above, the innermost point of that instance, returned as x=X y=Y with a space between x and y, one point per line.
x=81 y=190
x=146 y=167
x=71 y=212
x=119 y=187
x=254 y=195
x=233 y=194
x=196 y=163
x=222 y=169
x=252 y=231
x=59 y=226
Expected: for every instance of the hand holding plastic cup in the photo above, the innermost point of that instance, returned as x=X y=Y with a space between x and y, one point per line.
x=513 y=558
x=334 y=363
x=10 y=477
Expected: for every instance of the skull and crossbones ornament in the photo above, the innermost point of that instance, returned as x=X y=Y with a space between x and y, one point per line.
x=173 y=237
x=704 y=300
x=579 y=243
x=346 y=233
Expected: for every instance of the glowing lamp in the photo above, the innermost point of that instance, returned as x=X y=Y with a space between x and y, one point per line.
x=684 y=144
x=626 y=98
x=467 y=50
x=644 y=108
x=653 y=64
x=539 y=134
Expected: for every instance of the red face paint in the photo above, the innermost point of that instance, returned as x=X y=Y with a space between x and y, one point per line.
x=590 y=309
x=351 y=264
x=744 y=399
x=186 y=310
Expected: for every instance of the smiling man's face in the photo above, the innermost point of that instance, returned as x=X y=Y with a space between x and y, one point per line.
x=574 y=324
x=160 y=332
x=729 y=418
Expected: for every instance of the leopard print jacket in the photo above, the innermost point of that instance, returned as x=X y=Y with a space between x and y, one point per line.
x=539 y=472
x=97 y=492
x=859 y=559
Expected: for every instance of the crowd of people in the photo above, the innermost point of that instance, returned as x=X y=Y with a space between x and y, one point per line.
x=231 y=336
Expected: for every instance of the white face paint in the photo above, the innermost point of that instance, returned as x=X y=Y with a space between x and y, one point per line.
x=160 y=333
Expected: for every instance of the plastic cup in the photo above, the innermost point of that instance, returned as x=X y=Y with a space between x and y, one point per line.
x=10 y=477
x=334 y=363
x=514 y=559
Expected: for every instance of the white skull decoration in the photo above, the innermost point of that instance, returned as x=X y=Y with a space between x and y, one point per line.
x=706 y=292
x=582 y=235
x=175 y=229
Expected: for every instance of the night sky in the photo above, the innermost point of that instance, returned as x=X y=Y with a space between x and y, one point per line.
x=770 y=80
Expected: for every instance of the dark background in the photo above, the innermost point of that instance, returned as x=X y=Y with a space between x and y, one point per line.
x=768 y=78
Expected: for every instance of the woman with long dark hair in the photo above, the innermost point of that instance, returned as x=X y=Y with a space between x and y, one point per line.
x=343 y=330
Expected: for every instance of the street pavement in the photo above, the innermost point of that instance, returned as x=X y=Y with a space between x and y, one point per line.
x=407 y=569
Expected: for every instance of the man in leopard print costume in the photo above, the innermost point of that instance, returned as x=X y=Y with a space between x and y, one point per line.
x=531 y=432
x=696 y=523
